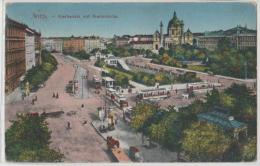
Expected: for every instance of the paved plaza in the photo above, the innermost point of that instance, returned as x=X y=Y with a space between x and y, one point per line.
x=82 y=141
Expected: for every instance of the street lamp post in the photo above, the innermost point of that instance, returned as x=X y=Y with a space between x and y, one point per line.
x=82 y=87
x=87 y=82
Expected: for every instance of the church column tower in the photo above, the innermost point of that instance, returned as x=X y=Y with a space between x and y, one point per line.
x=161 y=34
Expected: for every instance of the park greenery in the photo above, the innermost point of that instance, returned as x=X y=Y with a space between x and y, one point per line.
x=122 y=77
x=81 y=55
x=125 y=51
x=100 y=62
x=28 y=140
x=225 y=60
x=181 y=131
x=39 y=74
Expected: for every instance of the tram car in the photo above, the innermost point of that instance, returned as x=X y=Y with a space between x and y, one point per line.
x=117 y=98
x=96 y=82
x=155 y=93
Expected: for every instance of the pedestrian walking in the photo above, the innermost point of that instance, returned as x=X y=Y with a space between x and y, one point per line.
x=53 y=95
x=68 y=125
x=32 y=101
x=57 y=95
x=35 y=98
x=176 y=91
x=82 y=106
x=22 y=96
x=84 y=122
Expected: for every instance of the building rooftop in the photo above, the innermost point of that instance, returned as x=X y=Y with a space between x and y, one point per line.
x=141 y=42
x=108 y=79
x=152 y=89
x=221 y=119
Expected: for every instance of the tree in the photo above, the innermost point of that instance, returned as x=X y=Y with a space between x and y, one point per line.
x=28 y=139
x=141 y=113
x=224 y=44
x=196 y=107
x=234 y=152
x=158 y=77
x=171 y=51
x=205 y=142
x=166 y=59
x=158 y=131
x=142 y=117
x=213 y=99
x=249 y=150
x=121 y=80
x=161 y=51
x=227 y=101
x=176 y=123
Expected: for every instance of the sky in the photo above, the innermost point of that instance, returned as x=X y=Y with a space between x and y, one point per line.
x=52 y=19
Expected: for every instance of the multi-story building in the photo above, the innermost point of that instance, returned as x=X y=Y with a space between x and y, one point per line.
x=209 y=42
x=93 y=42
x=37 y=43
x=111 y=60
x=29 y=48
x=242 y=41
x=73 y=44
x=141 y=38
x=15 y=65
x=122 y=41
x=146 y=45
x=240 y=38
x=52 y=44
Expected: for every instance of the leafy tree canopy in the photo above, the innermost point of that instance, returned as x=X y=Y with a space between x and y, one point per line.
x=28 y=139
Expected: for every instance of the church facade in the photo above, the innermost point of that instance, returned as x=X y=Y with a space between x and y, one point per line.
x=175 y=35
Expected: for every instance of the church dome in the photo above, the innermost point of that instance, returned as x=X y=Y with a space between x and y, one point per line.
x=188 y=31
x=175 y=21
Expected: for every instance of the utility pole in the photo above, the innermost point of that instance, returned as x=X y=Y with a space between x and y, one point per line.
x=245 y=64
x=82 y=77
x=87 y=82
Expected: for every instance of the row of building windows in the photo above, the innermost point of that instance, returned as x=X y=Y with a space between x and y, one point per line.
x=11 y=85
x=16 y=70
x=14 y=56
x=15 y=44
x=14 y=32
x=247 y=38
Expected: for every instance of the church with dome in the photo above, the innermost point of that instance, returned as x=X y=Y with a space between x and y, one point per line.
x=175 y=34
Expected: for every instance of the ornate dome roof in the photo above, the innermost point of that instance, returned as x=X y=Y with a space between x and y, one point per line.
x=188 y=31
x=175 y=21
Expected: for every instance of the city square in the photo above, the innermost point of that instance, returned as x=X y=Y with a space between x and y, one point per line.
x=176 y=94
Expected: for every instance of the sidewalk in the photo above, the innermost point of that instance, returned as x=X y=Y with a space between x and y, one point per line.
x=128 y=137
x=15 y=96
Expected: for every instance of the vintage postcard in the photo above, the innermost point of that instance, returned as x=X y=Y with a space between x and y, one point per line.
x=130 y=82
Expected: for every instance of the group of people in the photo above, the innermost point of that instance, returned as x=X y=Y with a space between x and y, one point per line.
x=69 y=125
x=55 y=95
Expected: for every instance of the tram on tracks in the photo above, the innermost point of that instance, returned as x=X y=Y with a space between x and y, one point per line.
x=117 y=98
x=153 y=93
